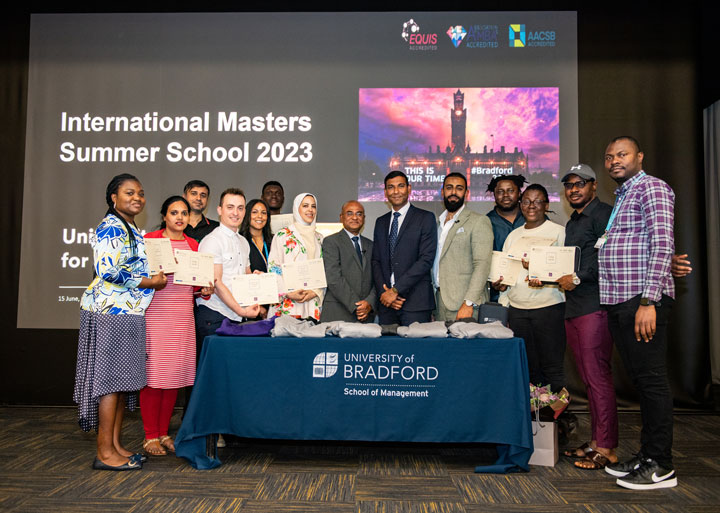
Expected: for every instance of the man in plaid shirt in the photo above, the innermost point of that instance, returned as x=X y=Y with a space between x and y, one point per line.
x=638 y=291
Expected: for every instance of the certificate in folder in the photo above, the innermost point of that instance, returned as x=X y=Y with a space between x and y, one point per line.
x=548 y=263
x=304 y=275
x=501 y=265
x=520 y=250
x=160 y=256
x=194 y=268
x=255 y=289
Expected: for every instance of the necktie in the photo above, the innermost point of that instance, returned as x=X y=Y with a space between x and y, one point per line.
x=357 y=247
x=392 y=239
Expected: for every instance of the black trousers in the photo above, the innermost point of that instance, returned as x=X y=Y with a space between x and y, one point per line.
x=543 y=330
x=646 y=363
x=403 y=318
x=207 y=321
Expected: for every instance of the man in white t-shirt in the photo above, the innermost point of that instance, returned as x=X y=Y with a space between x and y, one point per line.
x=231 y=257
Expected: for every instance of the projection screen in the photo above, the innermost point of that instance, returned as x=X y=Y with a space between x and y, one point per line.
x=326 y=103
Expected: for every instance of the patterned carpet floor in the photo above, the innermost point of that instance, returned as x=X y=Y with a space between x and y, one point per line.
x=45 y=467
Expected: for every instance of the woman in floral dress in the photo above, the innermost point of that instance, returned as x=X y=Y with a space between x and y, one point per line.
x=299 y=241
x=111 y=346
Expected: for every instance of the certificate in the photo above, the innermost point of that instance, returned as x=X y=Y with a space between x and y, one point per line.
x=194 y=268
x=255 y=289
x=160 y=256
x=501 y=265
x=548 y=263
x=308 y=274
x=520 y=250
x=280 y=221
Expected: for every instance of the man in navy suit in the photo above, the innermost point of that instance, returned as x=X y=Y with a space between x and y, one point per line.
x=404 y=248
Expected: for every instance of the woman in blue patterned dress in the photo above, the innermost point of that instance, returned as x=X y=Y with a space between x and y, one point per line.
x=111 y=348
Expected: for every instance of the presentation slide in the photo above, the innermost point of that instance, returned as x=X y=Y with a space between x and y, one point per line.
x=326 y=103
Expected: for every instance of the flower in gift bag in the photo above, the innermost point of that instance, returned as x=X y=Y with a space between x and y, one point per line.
x=541 y=396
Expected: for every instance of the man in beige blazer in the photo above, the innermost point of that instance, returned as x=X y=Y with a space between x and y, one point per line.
x=462 y=262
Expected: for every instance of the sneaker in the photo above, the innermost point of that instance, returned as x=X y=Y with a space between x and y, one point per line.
x=648 y=476
x=220 y=441
x=623 y=468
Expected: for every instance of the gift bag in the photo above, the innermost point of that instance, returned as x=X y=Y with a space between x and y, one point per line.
x=545 y=441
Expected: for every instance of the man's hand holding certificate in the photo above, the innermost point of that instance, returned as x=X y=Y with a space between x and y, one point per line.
x=194 y=268
x=254 y=289
x=308 y=274
x=160 y=256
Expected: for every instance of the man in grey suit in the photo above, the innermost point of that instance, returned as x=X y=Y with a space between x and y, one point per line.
x=464 y=252
x=350 y=292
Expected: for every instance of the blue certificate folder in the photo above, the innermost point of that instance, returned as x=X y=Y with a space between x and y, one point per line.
x=384 y=389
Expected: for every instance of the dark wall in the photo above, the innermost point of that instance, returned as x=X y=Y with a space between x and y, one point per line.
x=639 y=74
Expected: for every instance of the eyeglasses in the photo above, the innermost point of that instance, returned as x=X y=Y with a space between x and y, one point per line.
x=535 y=203
x=579 y=184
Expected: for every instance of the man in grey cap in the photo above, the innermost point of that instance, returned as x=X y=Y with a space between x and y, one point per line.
x=586 y=323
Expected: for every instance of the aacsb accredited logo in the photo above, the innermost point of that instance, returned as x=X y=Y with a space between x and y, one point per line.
x=482 y=36
x=516 y=35
x=520 y=38
x=325 y=365
x=456 y=34
x=416 y=39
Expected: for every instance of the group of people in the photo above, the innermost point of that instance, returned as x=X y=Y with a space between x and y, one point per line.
x=143 y=333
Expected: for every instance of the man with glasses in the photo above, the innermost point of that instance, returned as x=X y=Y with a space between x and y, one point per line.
x=586 y=323
x=350 y=292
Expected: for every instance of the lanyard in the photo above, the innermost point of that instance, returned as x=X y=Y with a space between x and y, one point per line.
x=615 y=210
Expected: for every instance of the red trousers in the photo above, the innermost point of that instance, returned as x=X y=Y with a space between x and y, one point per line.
x=156 y=408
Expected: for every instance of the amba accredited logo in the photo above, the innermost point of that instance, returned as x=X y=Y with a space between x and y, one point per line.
x=456 y=34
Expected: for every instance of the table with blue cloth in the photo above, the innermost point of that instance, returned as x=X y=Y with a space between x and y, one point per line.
x=382 y=389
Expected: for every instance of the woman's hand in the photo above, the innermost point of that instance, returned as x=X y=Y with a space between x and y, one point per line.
x=156 y=282
x=295 y=295
x=301 y=296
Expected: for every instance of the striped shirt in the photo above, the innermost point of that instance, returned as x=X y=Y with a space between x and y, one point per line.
x=635 y=259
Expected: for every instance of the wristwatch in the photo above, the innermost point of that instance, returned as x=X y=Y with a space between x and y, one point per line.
x=576 y=279
x=470 y=303
x=646 y=302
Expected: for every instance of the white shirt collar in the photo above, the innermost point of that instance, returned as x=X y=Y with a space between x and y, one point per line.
x=227 y=230
x=403 y=211
x=443 y=216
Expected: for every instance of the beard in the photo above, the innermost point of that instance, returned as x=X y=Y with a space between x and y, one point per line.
x=506 y=209
x=453 y=206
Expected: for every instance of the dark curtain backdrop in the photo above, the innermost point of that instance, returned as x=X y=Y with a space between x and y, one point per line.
x=639 y=74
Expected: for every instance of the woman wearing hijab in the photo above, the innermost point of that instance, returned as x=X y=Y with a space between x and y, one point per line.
x=298 y=242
